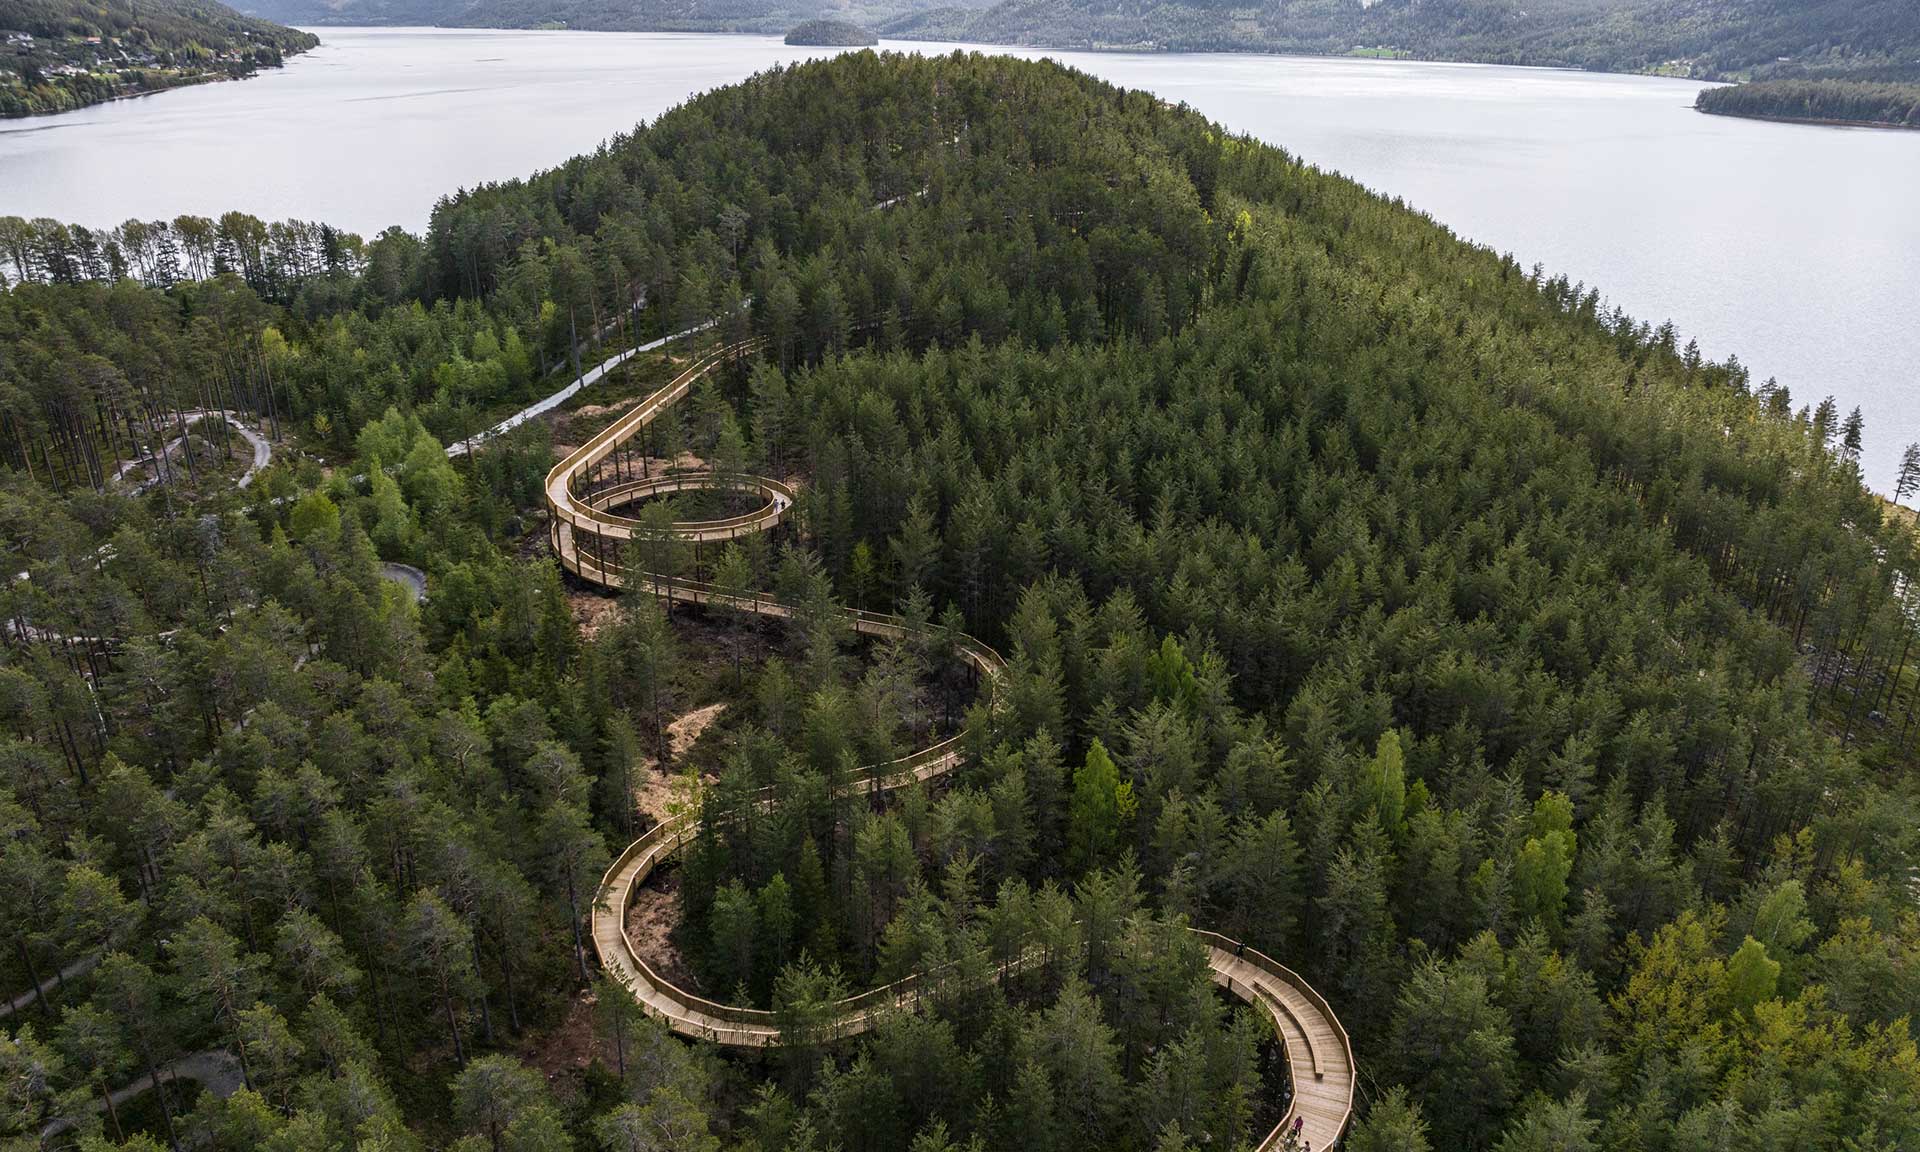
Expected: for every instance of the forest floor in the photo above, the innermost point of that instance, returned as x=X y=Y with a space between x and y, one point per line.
x=592 y=611
x=685 y=730
x=654 y=794
x=570 y=1046
x=589 y=411
x=654 y=913
x=652 y=919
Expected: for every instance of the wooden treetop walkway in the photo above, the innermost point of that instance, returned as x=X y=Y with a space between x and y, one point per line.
x=589 y=538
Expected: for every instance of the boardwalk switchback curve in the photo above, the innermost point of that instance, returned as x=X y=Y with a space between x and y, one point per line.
x=583 y=492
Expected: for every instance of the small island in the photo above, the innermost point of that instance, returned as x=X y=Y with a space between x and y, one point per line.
x=832 y=34
x=1858 y=103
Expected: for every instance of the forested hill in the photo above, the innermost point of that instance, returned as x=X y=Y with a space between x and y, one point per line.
x=1702 y=38
x=1542 y=692
x=835 y=33
x=1713 y=39
x=763 y=16
x=62 y=54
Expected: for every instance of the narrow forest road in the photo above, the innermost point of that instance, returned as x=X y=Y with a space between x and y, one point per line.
x=408 y=577
x=262 y=448
x=215 y=1070
x=262 y=453
x=587 y=380
x=72 y=971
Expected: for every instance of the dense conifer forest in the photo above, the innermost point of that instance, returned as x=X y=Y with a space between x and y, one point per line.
x=1541 y=691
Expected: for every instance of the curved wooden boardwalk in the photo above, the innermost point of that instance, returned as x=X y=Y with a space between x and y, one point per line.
x=588 y=536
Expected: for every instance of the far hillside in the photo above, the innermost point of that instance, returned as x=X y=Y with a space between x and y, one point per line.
x=1704 y=38
x=768 y=17
x=1709 y=39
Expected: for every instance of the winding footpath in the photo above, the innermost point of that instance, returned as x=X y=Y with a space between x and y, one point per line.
x=72 y=971
x=585 y=493
x=262 y=448
x=262 y=456
x=548 y=403
x=408 y=577
x=215 y=1070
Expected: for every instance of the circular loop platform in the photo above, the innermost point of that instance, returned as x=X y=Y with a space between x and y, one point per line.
x=778 y=498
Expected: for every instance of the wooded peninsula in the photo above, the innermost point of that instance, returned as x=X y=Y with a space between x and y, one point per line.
x=832 y=33
x=1878 y=105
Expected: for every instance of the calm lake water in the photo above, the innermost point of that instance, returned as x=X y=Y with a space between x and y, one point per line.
x=1795 y=247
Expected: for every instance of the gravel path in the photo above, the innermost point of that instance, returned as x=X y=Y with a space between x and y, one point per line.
x=72 y=971
x=262 y=448
x=414 y=580
x=215 y=1070
x=587 y=380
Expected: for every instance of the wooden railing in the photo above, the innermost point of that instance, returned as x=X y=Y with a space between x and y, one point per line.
x=779 y=498
x=1307 y=992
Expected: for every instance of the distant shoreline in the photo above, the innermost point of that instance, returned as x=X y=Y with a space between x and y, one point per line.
x=1813 y=121
x=132 y=93
x=173 y=82
x=1407 y=57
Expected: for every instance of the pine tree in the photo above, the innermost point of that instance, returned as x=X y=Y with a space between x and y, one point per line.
x=1094 y=812
x=1908 y=481
x=1545 y=861
x=1826 y=417
x=1391 y=1124
x=1852 y=432
x=215 y=973
x=440 y=948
